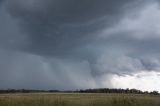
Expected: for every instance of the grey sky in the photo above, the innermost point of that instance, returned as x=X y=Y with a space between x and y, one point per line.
x=70 y=44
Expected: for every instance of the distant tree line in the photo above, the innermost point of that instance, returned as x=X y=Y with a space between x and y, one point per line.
x=122 y=91
x=99 y=90
x=26 y=91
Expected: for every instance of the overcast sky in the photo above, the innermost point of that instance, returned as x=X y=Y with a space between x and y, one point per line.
x=78 y=44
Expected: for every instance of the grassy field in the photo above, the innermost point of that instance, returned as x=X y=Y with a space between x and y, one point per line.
x=75 y=99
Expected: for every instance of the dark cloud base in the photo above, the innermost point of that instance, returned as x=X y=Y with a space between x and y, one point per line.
x=66 y=44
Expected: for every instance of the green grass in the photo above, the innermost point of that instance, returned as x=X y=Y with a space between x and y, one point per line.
x=71 y=99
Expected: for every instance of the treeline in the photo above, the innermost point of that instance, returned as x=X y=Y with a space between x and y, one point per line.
x=26 y=91
x=99 y=90
x=122 y=91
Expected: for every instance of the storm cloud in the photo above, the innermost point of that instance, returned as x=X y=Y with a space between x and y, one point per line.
x=58 y=44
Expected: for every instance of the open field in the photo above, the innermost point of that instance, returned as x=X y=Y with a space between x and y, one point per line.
x=76 y=99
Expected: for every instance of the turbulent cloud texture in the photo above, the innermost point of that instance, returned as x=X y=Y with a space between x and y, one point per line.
x=59 y=44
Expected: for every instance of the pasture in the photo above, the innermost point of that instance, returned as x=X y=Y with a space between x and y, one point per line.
x=78 y=99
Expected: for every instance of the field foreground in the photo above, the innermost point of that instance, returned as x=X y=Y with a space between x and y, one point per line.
x=76 y=99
